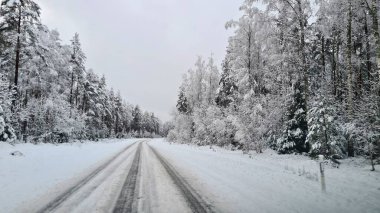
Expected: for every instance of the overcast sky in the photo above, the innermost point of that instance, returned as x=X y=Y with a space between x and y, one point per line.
x=144 y=46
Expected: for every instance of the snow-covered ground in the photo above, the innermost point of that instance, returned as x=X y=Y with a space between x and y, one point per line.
x=45 y=166
x=268 y=182
x=172 y=175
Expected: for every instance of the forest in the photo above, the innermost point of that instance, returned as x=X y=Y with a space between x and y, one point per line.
x=46 y=92
x=283 y=115
x=298 y=76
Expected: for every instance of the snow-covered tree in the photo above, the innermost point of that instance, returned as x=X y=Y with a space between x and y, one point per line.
x=227 y=91
x=77 y=70
x=19 y=32
x=182 y=103
x=7 y=133
x=324 y=132
x=137 y=120
x=45 y=91
x=294 y=139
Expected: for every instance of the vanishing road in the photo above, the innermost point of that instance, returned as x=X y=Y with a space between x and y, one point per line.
x=137 y=179
x=153 y=175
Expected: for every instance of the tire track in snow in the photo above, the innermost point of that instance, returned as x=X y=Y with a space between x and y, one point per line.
x=128 y=194
x=193 y=199
x=52 y=205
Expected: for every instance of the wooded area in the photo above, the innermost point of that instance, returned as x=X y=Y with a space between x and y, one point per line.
x=46 y=92
x=298 y=76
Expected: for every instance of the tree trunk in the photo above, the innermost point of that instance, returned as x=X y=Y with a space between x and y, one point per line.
x=71 y=88
x=84 y=103
x=323 y=59
x=17 y=60
x=359 y=76
x=24 y=125
x=375 y=27
x=371 y=155
x=18 y=48
x=349 y=62
x=71 y=92
x=303 y=73
x=76 y=95
x=350 y=149
x=368 y=54
x=333 y=70
x=326 y=147
x=249 y=62
x=339 y=73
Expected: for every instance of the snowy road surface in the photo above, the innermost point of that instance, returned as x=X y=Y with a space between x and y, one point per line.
x=155 y=176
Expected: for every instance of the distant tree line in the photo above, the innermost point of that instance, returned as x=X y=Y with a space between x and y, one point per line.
x=46 y=92
x=295 y=78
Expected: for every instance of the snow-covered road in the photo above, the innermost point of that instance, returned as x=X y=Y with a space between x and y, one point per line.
x=136 y=178
x=45 y=170
x=156 y=176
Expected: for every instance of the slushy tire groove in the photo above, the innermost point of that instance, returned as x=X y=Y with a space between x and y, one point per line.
x=50 y=207
x=128 y=195
x=193 y=199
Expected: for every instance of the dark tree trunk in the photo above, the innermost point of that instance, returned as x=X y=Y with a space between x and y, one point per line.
x=368 y=55
x=17 y=61
x=18 y=48
x=323 y=58
x=71 y=88
x=302 y=21
x=333 y=70
x=249 y=62
x=349 y=63
x=76 y=95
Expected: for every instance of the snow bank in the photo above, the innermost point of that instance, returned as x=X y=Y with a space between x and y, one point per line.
x=41 y=167
x=274 y=183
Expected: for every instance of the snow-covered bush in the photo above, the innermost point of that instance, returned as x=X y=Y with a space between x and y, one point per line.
x=213 y=127
x=7 y=133
x=51 y=118
x=183 y=131
x=166 y=127
x=324 y=131
x=225 y=130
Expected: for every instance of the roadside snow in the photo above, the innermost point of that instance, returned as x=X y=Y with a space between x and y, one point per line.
x=44 y=166
x=269 y=182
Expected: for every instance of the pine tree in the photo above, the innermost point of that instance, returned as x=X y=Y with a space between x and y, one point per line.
x=77 y=70
x=227 y=90
x=182 y=103
x=137 y=120
x=294 y=138
x=54 y=98
x=324 y=132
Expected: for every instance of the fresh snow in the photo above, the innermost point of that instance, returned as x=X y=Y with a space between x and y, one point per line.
x=228 y=180
x=270 y=182
x=44 y=166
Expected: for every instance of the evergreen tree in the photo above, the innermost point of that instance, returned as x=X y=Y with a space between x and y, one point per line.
x=54 y=98
x=77 y=70
x=294 y=139
x=324 y=132
x=227 y=88
x=182 y=103
x=137 y=120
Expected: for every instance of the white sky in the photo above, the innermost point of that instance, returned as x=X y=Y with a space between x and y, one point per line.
x=144 y=46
